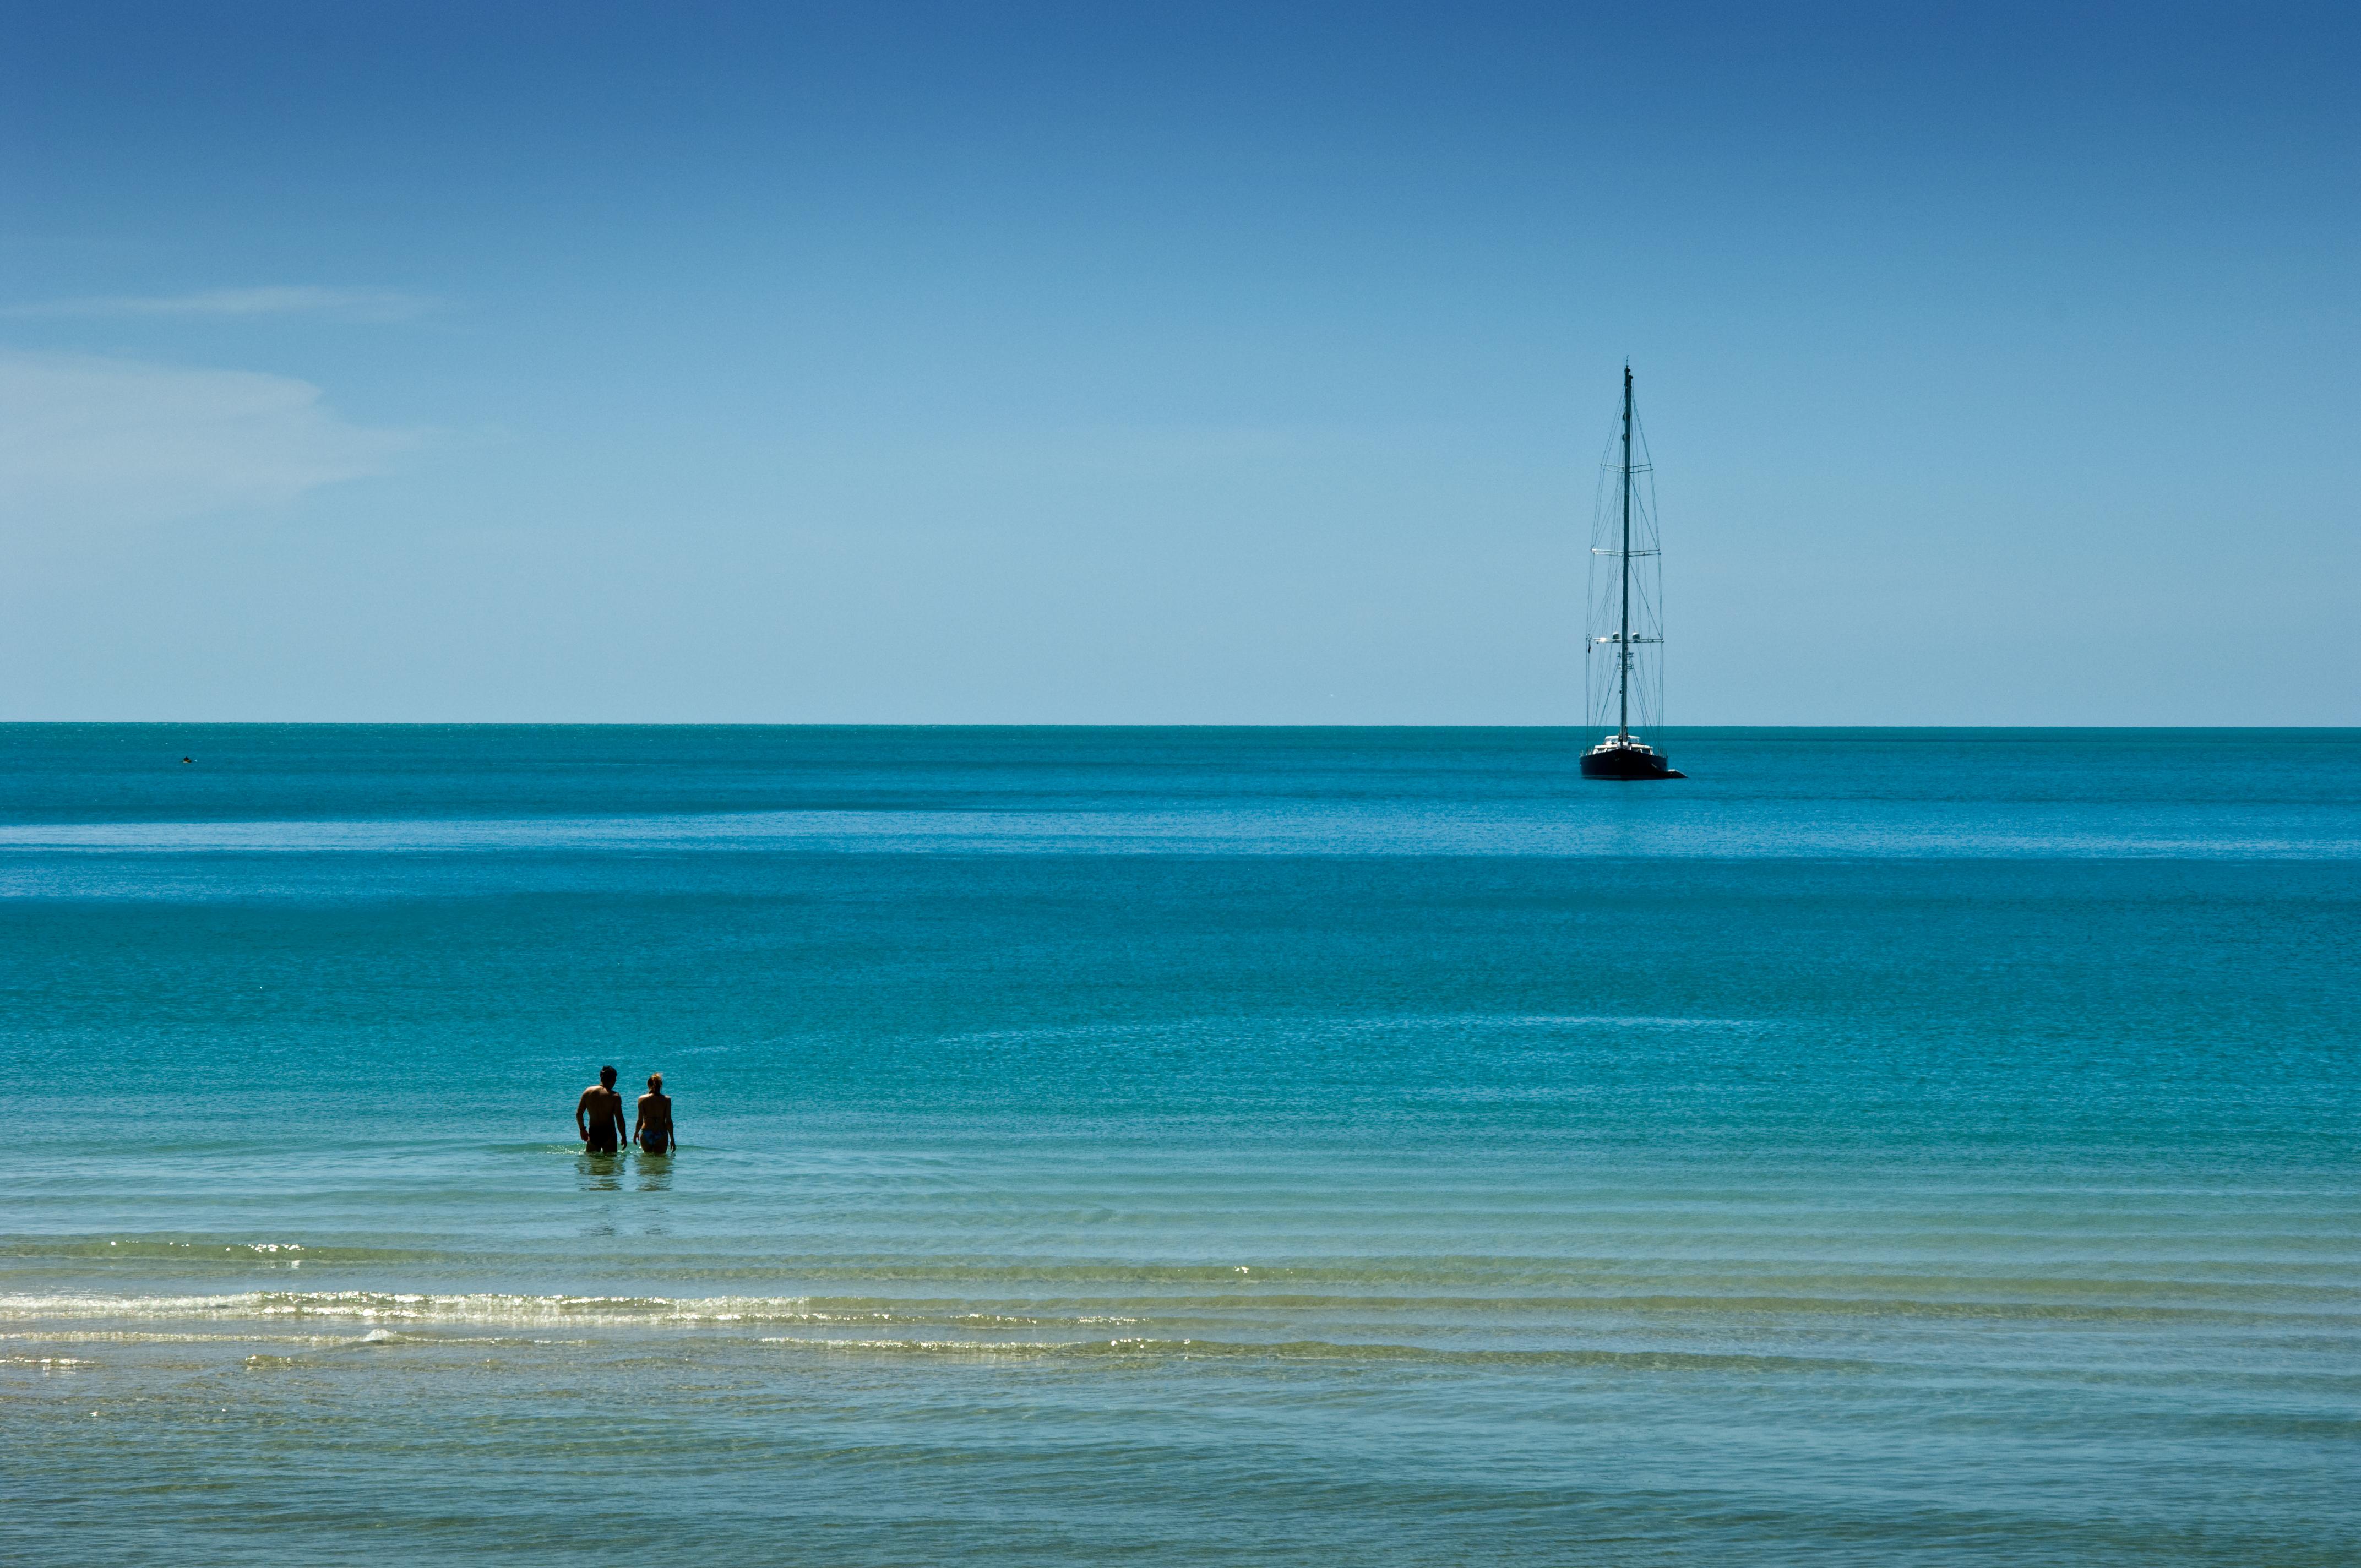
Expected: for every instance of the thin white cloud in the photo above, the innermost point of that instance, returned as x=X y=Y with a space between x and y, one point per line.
x=285 y=300
x=91 y=442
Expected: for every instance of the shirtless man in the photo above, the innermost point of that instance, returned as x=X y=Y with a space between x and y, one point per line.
x=598 y=1114
x=653 y=1133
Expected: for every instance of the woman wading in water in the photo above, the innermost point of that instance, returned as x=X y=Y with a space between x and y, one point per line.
x=653 y=1131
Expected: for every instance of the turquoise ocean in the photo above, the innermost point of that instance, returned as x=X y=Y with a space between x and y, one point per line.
x=1154 y=1146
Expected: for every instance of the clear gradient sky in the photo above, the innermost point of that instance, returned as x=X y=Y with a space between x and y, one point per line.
x=1131 y=363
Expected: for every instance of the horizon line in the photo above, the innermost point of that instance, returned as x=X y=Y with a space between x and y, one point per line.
x=1127 y=724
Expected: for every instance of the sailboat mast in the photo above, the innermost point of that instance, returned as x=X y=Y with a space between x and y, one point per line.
x=1618 y=755
x=1623 y=639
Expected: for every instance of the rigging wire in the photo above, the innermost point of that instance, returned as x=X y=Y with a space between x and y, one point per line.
x=1643 y=653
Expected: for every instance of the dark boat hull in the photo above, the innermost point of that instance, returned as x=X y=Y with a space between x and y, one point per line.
x=1627 y=763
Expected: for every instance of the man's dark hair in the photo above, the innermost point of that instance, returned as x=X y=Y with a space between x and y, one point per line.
x=607 y=1076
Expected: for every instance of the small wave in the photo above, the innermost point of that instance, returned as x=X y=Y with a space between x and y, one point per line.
x=1545 y=1021
x=421 y=1308
x=148 y=1336
x=1902 y=1283
x=402 y=1307
x=1326 y=1350
x=2100 y=1303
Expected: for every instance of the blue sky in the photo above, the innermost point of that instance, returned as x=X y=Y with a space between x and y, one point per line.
x=1125 y=364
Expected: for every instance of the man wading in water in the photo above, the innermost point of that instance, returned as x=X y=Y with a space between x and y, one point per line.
x=598 y=1114
x=653 y=1133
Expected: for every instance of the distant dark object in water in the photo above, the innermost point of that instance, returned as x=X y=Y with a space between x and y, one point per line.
x=188 y=758
x=1632 y=624
x=1618 y=758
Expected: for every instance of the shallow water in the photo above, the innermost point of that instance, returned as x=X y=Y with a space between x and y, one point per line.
x=1290 y=1147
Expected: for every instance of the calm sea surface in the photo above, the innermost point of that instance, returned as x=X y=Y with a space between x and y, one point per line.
x=1180 y=1145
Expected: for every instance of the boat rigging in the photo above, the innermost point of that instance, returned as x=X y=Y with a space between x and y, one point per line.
x=1624 y=617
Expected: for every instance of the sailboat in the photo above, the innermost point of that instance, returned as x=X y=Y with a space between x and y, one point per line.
x=1624 y=617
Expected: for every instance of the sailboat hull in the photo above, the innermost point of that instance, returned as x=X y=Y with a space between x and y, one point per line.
x=1627 y=763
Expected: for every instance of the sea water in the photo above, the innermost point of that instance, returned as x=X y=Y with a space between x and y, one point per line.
x=1180 y=1145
